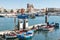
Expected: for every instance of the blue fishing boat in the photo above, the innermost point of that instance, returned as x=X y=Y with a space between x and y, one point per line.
x=10 y=35
x=27 y=34
x=20 y=36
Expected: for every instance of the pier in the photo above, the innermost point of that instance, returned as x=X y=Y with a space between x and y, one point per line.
x=5 y=32
x=36 y=25
x=29 y=27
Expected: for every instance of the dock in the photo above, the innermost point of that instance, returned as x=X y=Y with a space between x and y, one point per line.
x=36 y=25
x=8 y=31
x=5 y=32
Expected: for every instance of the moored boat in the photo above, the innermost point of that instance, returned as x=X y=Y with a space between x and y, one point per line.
x=10 y=35
x=48 y=28
x=27 y=34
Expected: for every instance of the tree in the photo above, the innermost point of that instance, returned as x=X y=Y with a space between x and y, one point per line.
x=5 y=10
x=18 y=11
x=0 y=11
x=11 y=11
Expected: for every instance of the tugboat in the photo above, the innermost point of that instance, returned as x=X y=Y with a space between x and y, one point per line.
x=22 y=32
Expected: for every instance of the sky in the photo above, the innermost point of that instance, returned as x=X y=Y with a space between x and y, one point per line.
x=14 y=4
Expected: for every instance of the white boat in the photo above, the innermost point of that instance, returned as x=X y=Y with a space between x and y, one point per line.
x=10 y=35
x=48 y=28
x=27 y=34
x=52 y=28
x=45 y=29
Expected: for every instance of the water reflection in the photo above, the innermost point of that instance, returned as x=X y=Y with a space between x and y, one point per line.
x=46 y=35
x=38 y=35
x=43 y=35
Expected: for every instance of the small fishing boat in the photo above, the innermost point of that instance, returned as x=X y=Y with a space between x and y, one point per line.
x=10 y=35
x=48 y=28
x=27 y=34
x=20 y=34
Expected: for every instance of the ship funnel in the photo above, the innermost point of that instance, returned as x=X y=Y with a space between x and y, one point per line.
x=20 y=24
x=25 y=25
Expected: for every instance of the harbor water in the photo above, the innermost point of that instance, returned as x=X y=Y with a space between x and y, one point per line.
x=8 y=24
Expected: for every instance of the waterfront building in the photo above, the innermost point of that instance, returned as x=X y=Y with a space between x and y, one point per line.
x=28 y=5
x=30 y=8
x=54 y=9
x=42 y=10
x=2 y=9
x=15 y=10
x=36 y=10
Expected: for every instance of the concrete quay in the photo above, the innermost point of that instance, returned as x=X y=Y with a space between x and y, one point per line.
x=8 y=31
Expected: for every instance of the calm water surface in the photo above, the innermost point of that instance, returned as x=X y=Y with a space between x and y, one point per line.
x=8 y=24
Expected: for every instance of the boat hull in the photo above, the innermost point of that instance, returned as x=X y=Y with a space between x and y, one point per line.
x=28 y=34
x=10 y=36
x=48 y=29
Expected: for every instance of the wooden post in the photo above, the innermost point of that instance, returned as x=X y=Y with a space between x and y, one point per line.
x=18 y=27
x=24 y=24
x=15 y=22
x=20 y=24
x=46 y=13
